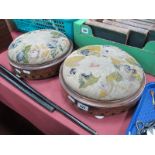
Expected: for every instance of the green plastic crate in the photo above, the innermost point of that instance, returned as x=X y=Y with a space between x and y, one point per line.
x=63 y=25
x=145 y=56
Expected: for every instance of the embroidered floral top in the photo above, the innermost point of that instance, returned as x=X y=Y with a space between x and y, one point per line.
x=37 y=47
x=102 y=72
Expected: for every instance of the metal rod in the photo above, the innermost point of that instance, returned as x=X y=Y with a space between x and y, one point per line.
x=26 y=86
x=17 y=81
x=25 y=91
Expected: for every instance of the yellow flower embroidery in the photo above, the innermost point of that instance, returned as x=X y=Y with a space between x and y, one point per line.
x=114 y=76
x=94 y=48
x=45 y=53
x=102 y=93
x=115 y=61
x=137 y=76
x=88 y=81
x=73 y=61
x=131 y=61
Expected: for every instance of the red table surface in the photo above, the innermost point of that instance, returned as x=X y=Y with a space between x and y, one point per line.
x=55 y=122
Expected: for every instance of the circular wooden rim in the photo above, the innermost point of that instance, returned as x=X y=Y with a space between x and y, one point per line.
x=102 y=103
x=43 y=65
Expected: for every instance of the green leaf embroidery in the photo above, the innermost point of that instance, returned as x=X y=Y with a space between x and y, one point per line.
x=131 y=61
x=61 y=48
x=137 y=77
x=102 y=93
x=26 y=50
x=114 y=76
x=81 y=81
x=56 y=34
x=87 y=82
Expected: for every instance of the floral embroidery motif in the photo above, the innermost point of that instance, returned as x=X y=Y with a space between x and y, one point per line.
x=73 y=71
x=94 y=48
x=52 y=44
x=102 y=93
x=127 y=68
x=137 y=77
x=26 y=50
x=102 y=72
x=73 y=61
x=38 y=47
x=115 y=76
x=20 y=56
x=56 y=34
x=34 y=54
x=85 y=52
x=87 y=80
x=92 y=65
x=23 y=55
x=132 y=61
x=115 y=61
x=15 y=44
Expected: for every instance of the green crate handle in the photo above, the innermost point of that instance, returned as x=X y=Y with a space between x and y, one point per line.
x=146 y=56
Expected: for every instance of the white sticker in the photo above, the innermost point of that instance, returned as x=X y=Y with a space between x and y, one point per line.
x=84 y=30
x=70 y=98
x=26 y=72
x=17 y=70
x=99 y=116
x=82 y=106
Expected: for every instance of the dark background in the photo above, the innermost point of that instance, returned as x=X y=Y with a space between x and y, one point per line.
x=12 y=123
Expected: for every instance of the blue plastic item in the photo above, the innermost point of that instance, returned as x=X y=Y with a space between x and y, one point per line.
x=145 y=111
x=63 y=25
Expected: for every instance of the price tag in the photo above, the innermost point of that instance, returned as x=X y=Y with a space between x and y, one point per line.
x=26 y=72
x=82 y=106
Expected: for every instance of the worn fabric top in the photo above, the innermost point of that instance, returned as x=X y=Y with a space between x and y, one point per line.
x=37 y=47
x=102 y=72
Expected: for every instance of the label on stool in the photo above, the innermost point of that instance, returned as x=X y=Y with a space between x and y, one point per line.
x=82 y=106
x=26 y=72
x=18 y=71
